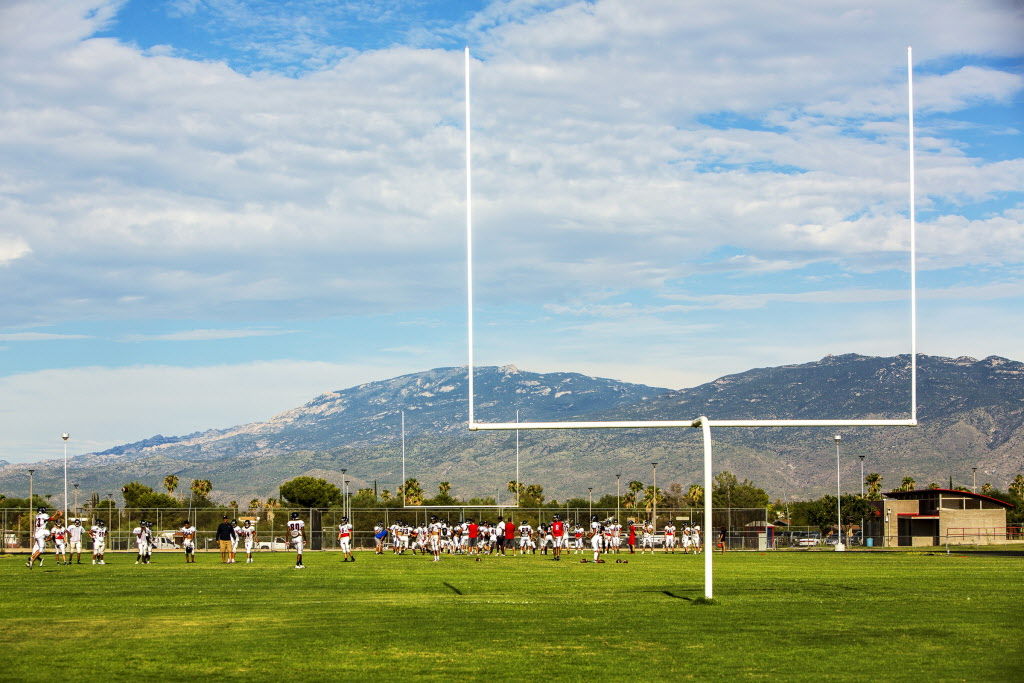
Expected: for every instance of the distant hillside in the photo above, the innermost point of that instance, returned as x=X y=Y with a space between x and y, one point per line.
x=971 y=415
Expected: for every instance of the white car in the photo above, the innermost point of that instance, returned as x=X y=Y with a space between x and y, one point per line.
x=278 y=544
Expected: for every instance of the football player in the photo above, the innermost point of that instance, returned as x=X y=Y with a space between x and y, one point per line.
x=235 y=536
x=596 y=530
x=98 y=534
x=75 y=540
x=188 y=541
x=60 y=542
x=247 y=532
x=345 y=539
x=39 y=535
x=379 y=534
x=557 y=535
x=297 y=532
x=434 y=535
x=670 y=538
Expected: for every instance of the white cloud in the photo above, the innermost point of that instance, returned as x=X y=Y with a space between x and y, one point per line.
x=203 y=335
x=39 y=336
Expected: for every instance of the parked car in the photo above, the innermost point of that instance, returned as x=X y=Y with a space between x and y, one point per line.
x=277 y=544
x=812 y=538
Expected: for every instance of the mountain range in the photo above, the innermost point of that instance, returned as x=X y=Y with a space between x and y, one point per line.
x=971 y=414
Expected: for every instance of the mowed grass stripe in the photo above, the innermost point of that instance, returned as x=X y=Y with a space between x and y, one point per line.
x=799 y=616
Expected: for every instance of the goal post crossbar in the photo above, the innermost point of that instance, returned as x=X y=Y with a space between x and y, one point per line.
x=695 y=424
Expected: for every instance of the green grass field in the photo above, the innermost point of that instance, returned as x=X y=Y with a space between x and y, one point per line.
x=779 y=616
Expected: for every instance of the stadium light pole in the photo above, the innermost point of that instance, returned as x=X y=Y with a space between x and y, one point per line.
x=862 y=541
x=618 y=480
x=65 y=436
x=344 y=489
x=654 y=520
x=75 y=486
x=839 y=504
x=974 y=480
x=590 y=497
x=30 y=502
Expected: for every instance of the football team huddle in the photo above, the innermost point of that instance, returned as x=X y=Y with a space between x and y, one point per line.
x=436 y=537
x=486 y=538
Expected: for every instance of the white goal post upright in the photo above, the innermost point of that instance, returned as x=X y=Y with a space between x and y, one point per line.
x=703 y=423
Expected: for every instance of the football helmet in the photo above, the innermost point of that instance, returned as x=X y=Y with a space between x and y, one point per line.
x=295 y=515
x=557 y=518
x=101 y=523
x=593 y=518
x=248 y=522
x=42 y=508
x=344 y=520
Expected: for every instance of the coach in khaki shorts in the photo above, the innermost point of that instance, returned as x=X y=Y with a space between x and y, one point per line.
x=225 y=534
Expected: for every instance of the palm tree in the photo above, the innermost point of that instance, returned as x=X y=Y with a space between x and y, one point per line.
x=650 y=496
x=444 y=488
x=254 y=504
x=874 y=484
x=385 y=495
x=411 y=492
x=987 y=488
x=907 y=484
x=170 y=483
x=695 y=495
x=633 y=488
x=1017 y=486
x=201 y=487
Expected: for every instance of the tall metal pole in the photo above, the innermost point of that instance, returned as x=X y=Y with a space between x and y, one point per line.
x=974 y=480
x=913 y=238
x=469 y=246
x=862 y=539
x=618 y=495
x=654 y=521
x=344 y=489
x=590 y=497
x=75 y=486
x=839 y=504
x=65 y=436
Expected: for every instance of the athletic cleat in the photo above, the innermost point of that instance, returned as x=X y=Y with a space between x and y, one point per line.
x=29 y=564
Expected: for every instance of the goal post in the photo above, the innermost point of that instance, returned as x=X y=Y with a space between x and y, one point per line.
x=703 y=423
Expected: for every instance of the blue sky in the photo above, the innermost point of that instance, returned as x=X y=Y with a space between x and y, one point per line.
x=215 y=210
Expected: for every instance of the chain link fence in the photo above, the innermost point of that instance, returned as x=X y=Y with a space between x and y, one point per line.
x=743 y=525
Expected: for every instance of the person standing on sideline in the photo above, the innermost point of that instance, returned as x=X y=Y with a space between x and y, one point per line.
x=225 y=536
x=631 y=538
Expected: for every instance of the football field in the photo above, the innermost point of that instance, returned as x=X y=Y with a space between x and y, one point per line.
x=778 y=616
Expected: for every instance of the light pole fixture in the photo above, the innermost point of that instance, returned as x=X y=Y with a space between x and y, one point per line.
x=839 y=503
x=590 y=497
x=65 y=436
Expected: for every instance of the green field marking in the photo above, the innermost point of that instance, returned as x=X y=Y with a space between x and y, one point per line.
x=794 y=616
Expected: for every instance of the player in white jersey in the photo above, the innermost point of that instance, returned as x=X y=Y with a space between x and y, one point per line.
x=141 y=533
x=695 y=540
x=188 y=541
x=59 y=534
x=616 y=535
x=235 y=537
x=297 y=536
x=596 y=531
x=684 y=539
x=670 y=538
x=577 y=538
x=434 y=538
x=647 y=537
x=247 y=534
x=345 y=539
x=75 y=541
x=525 y=537
x=98 y=534
x=39 y=535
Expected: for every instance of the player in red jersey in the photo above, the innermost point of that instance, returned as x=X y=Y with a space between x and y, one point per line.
x=558 y=535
